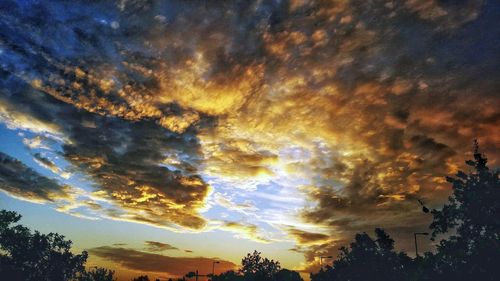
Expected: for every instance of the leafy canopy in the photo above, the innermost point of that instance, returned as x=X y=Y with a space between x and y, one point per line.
x=34 y=256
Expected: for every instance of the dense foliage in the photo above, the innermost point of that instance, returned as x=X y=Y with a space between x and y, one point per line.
x=97 y=274
x=473 y=214
x=368 y=259
x=34 y=256
x=254 y=267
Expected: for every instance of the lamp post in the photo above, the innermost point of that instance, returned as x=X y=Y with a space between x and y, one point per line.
x=424 y=208
x=416 y=245
x=213 y=268
x=196 y=274
x=324 y=257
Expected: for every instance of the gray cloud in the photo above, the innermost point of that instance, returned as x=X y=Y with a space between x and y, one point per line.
x=154 y=246
x=307 y=238
x=147 y=262
x=23 y=182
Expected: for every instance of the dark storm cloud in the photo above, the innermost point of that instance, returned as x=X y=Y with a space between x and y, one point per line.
x=23 y=182
x=147 y=262
x=411 y=92
x=154 y=246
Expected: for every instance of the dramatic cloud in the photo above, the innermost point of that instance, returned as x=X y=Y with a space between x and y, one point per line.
x=155 y=263
x=127 y=163
x=313 y=120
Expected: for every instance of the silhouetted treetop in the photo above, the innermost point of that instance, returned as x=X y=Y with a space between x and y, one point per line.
x=473 y=213
x=141 y=278
x=287 y=275
x=97 y=274
x=367 y=259
x=228 y=276
x=34 y=256
x=469 y=221
x=254 y=267
x=473 y=209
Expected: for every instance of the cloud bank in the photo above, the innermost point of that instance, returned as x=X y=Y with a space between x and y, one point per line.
x=156 y=263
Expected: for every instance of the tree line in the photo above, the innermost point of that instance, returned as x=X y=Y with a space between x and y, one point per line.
x=470 y=221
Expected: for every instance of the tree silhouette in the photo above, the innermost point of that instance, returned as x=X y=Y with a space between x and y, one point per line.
x=97 y=274
x=470 y=221
x=141 y=278
x=287 y=275
x=473 y=213
x=254 y=267
x=228 y=276
x=367 y=259
x=34 y=256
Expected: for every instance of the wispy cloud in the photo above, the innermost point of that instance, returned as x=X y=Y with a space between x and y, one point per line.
x=154 y=246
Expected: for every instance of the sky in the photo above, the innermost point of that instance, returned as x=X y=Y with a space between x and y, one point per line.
x=161 y=136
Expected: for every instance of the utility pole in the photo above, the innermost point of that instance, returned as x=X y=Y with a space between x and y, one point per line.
x=416 y=245
x=196 y=274
x=213 y=269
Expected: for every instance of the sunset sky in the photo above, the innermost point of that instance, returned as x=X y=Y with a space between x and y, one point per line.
x=162 y=135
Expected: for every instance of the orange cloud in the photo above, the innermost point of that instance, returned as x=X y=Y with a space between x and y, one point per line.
x=159 y=264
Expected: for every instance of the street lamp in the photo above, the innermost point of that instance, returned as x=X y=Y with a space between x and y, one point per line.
x=415 y=236
x=324 y=257
x=213 y=268
x=424 y=208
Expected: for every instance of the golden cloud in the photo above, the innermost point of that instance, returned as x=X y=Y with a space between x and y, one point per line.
x=305 y=238
x=247 y=231
x=332 y=100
